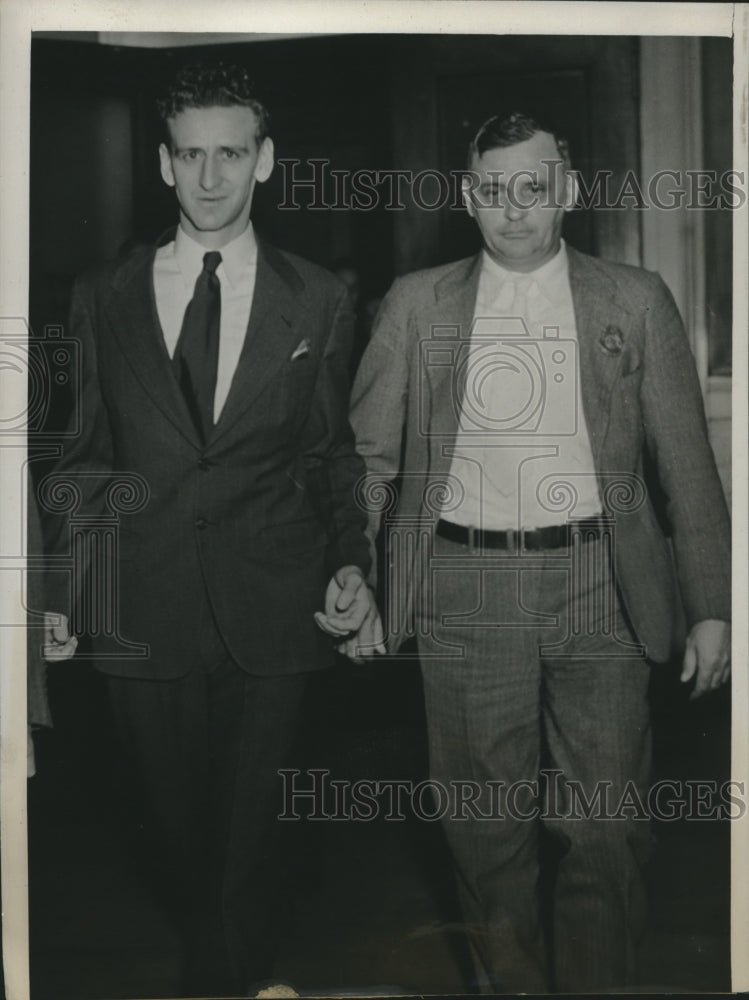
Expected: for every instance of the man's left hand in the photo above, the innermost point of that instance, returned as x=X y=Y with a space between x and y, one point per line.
x=707 y=656
x=350 y=608
x=59 y=644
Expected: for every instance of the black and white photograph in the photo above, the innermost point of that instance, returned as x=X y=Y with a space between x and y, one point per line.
x=374 y=440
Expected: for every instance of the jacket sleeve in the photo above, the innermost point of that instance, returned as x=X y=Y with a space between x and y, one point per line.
x=676 y=432
x=333 y=466
x=379 y=406
x=80 y=478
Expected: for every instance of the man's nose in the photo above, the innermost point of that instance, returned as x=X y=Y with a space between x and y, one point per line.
x=210 y=175
x=513 y=209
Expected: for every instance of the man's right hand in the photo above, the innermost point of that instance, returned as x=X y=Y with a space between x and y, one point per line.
x=59 y=644
x=368 y=640
x=351 y=614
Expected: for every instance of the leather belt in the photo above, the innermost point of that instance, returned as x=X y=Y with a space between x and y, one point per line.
x=554 y=536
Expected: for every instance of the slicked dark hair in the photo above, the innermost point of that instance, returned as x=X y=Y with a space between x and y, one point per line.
x=498 y=133
x=209 y=85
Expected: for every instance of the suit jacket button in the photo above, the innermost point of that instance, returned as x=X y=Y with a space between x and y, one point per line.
x=201 y=523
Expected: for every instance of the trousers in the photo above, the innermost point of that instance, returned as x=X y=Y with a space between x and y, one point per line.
x=207 y=748
x=528 y=660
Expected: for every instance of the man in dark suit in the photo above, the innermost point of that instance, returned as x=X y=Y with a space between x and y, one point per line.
x=214 y=370
x=517 y=393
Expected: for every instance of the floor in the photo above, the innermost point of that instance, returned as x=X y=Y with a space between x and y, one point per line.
x=375 y=903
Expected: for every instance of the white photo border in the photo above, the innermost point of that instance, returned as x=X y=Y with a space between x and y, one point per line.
x=238 y=19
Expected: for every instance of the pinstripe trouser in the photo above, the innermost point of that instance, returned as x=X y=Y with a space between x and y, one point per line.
x=514 y=660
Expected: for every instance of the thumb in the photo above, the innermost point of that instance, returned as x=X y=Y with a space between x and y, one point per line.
x=379 y=638
x=349 y=587
x=689 y=664
x=61 y=633
x=57 y=624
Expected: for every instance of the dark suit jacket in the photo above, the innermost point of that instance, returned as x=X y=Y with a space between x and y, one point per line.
x=639 y=391
x=262 y=514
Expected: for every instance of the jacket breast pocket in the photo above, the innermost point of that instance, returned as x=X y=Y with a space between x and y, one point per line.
x=301 y=370
x=286 y=398
x=296 y=379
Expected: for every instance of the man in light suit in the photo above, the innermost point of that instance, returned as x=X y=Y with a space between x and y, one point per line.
x=517 y=393
x=214 y=371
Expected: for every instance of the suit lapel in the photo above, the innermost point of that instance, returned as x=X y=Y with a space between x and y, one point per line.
x=132 y=315
x=597 y=307
x=445 y=338
x=269 y=340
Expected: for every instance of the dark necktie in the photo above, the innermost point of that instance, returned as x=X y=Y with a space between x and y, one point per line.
x=195 y=360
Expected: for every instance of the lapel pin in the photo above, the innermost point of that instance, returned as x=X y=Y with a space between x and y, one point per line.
x=302 y=350
x=612 y=341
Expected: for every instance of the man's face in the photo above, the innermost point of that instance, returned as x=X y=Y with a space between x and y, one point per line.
x=213 y=163
x=520 y=202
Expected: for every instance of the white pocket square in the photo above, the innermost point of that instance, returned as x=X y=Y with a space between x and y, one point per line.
x=302 y=350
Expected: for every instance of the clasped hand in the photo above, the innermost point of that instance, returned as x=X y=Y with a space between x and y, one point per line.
x=351 y=614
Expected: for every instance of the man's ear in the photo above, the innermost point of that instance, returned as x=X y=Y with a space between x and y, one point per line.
x=165 y=159
x=265 y=161
x=468 y=185
x=570 y=190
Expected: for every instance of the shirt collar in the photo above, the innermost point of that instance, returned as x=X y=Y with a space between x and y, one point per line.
x=546 y=275
x=236 y=257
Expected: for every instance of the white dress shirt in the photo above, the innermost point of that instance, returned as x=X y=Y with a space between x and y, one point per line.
x=175 y=271
x=523 y=451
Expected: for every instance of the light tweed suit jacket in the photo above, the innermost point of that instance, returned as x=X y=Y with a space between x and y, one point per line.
x=640 y=394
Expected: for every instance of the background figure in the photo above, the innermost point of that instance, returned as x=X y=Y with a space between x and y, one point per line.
x=347 y=271
x=37 y=702
x=214 y=379
x=38 y=713
x=61 y=646
x=364 y=309
x=525 y=386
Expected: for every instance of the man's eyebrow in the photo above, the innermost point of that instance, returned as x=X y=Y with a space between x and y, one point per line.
x=201 y=149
